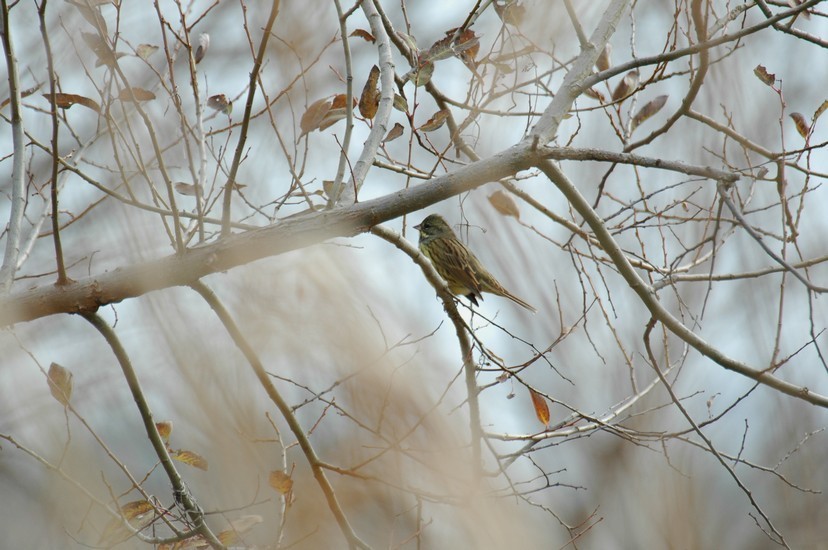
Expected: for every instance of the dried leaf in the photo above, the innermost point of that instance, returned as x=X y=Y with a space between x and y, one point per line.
x=435 y=121
x=422 y=74
x=762 y=74
x=105 y=55
x=603 y=63
x=219 y=102
x=64 y=101
x=313 y=115
x=505 y=204
x=185 y=188
x=394 y=133
x=465 y=46
x=164 y=430
x=510 y=12
x=821 y=109
x=189 y=457
x=140 y=94
x=203 y=46
x=145 y=50
x=540 y=406
x=626 y=87
x=409 y=40
x=280 y=481
x=400 y=103
x=138 y=514
x=801 y=124
x=594 y=94
x=648 y=110
x=336 y=113
x=364 y=34
x=60 y=383
x=370 y=98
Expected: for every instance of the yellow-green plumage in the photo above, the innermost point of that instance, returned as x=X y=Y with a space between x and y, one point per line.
x=455 y=263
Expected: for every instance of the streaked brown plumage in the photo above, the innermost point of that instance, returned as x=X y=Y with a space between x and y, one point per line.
x=455 y=263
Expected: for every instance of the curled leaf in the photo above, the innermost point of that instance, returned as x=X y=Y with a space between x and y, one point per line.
x=64 y=101
x=203 y=45
x=60 y=383
x=627 y=86
x=400 y=103
x=435 y=121
x=762 y=74
x=802 y=127
x=164 y=430
x=280 y=481
x=370 y=98
x=219 y=102
x=603 y=62
x=364 y=34
x=394 y=133
x=648 y=110
x=504 y=204
x=510 y=12
x=594 y=94
x=540 y=406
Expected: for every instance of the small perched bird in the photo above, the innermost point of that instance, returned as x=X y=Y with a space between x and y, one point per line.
x=455 y=263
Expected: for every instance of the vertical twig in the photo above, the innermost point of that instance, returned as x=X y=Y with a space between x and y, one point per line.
x=248 y=108
x=18 y=200
x=61 y=269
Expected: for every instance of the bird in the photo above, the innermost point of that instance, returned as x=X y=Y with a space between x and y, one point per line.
x=455 y=263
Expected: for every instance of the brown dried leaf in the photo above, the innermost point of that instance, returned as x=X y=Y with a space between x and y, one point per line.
x=139 y=93
x=337 y=111
x=394 y=133
x=364 y=34
x=191 y=458
x=185 y=188
x=60 y=383
x=466 y=46
x=313 y=115
x=540 y=406
x=145 y=50
x=627 y=86
x=138 y=514
x=280 y=481
x=64 y=101
x=603 y=63
x=648 y=110
x=370 y=98
x=435 y=121
x=801 y=124
x=510 y=12
x=219 y=102
x=504 y=204
x=821 y=109
x=594 y=94
x=164 y=430
x=762 y=74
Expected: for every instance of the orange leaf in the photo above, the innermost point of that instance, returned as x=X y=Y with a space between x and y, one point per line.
x=60 y=383
x=370 y=98
x=801 y=125
x=541 y=407
x=436 y=121
x=364 y=34
x=164 y=430
x=189 y=457
x=313 y=115
x=64 y=101
x=505 y=204
x=280 y=481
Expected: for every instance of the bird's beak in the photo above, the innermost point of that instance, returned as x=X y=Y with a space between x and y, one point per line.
x=418 y=226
